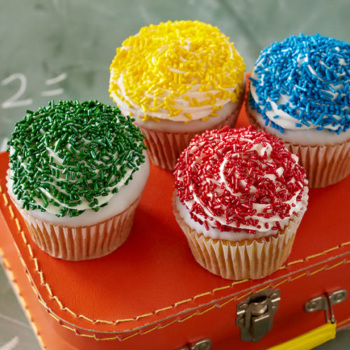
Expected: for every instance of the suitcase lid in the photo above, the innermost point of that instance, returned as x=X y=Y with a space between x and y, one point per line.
x=152 y=280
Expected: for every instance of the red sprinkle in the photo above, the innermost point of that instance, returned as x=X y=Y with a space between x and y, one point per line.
x=226 y=172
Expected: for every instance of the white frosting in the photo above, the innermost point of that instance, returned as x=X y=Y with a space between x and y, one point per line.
x=294 y=131
x=215 y=233
x=301 y=137
x=84 y=205
x=193 y=126
x=221 y=184
x=129 y=107
x=239 y=184
x=117 y=203
x=242 y=234
x=181 y=71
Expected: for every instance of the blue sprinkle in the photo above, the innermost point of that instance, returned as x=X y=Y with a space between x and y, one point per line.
x=319 y=119
x=300 y=88
x=326 y=95
x=314 y=71
x=254 y=81
x=307 y=109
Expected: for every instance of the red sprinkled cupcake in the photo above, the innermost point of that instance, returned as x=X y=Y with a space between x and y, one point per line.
x=240 y=197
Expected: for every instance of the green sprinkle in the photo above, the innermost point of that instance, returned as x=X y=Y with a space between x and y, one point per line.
x=43 y=197
x=93 y=144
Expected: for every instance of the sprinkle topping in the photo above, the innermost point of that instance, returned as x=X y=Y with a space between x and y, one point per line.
x=71 y=156
x=303 y=82
x=174 y=69
x=234 y=179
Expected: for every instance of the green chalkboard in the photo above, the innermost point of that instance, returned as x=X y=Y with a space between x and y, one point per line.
x=62 y=49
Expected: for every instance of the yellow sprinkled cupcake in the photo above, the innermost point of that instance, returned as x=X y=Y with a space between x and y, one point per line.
x=177 y=79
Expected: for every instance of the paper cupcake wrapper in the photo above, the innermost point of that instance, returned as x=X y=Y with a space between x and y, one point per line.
x=325 y=165
x=83 y=242
x=246 y=259
x=164 y=148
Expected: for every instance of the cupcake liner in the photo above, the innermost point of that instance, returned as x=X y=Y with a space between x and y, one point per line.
x=246 y=259
x=83 y=242
x=325 y=165
x=164 y=148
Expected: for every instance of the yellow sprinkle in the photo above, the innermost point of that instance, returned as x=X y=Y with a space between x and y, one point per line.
x=153 y=109
x=212 y=100
x=145 y=100
x=194 y=102
x=188 y=115
x=205 y=103
x=146 y=117
x=174 y=56
x=158 y=92
x=175 y=112
x=182 y=89
x=216 y=108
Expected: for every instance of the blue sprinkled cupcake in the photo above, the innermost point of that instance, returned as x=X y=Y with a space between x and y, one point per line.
x=299 y=91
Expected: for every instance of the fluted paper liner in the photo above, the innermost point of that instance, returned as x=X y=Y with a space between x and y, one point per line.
x=325 y=165
x=246 y=259
x=164 y=148
x=83 y=242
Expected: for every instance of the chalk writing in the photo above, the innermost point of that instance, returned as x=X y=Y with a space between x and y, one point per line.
x=14 y=100
x=53 y=81
x=17 y=100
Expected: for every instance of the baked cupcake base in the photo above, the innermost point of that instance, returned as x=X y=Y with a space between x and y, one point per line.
x=245 y=259
x=83 y=242
x=325 y=165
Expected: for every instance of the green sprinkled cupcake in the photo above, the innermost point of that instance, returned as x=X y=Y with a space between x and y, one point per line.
x=77 y=172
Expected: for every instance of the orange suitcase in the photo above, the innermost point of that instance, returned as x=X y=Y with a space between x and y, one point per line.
x=150 y=294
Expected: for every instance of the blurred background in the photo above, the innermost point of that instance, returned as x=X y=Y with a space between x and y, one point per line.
x=62 y=49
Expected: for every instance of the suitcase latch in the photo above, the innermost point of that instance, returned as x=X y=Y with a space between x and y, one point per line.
x=325 y=302
x=204 y=344
x=255 y=314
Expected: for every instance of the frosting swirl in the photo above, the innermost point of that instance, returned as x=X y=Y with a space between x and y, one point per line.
x=303 y=83
x=72 y=156
x=179 y=71
x=239 y=179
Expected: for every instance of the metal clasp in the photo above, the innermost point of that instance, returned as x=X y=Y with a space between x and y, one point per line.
x=325 y=302
x=204 y=344
x=255 y=314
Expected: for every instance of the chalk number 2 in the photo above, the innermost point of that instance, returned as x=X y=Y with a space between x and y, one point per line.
x=16 y=99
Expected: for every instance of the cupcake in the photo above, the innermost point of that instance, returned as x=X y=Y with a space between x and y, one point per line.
x=299 y=91
x=77 y=171
x=177 y=79
x=240 y=196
